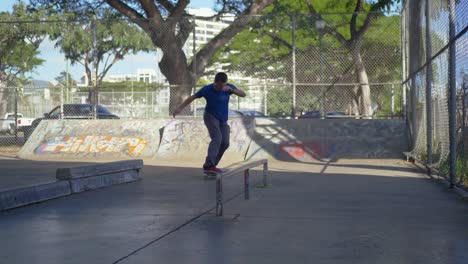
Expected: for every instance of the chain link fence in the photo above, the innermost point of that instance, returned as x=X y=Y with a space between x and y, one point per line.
x=291 y=66
x=435 y=73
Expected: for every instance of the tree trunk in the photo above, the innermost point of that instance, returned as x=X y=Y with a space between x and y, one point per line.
x=6 y=95
x=174 y=67
x=355 y=102
x=365 y=106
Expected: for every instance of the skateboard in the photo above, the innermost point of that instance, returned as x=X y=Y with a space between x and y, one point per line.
x=209 y=175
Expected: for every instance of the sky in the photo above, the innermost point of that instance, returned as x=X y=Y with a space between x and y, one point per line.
x=55 y=61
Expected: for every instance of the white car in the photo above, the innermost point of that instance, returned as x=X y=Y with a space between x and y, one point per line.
x=8 y=123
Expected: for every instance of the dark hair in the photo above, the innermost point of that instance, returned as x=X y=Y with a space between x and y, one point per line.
x=221 y=77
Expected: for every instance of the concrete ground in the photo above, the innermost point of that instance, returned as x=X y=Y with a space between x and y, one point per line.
x=16 y=173
x=348 y=211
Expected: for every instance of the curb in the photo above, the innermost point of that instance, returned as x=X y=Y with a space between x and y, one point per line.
x=73 y=180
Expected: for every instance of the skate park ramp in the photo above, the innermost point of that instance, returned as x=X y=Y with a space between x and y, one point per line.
x=187 y=140
x=93 y=139
x=313 y=140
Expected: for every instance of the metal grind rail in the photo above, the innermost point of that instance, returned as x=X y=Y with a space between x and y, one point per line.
x=245 y=167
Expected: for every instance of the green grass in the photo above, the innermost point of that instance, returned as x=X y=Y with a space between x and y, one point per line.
x=461 y=170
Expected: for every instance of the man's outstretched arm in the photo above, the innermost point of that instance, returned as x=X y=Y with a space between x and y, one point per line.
x=183 y=105
x=237 y=91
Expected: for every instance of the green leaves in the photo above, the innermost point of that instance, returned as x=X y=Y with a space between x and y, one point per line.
x=104 y=41
x=19 y=43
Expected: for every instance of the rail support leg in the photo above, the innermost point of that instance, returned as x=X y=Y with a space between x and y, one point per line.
x=219 y=195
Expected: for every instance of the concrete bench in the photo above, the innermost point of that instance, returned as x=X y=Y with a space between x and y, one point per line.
x=234 y=169
x=73 y=180
x=91 y=177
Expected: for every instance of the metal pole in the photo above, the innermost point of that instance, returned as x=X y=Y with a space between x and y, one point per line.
x=67 y=91
x=404 y=58
x=194 y=52
x=428 y=85
x=16 y=115
x=61 y=102
x=452 y=103
x=94 y=96
x=393 y=100
x=322 y=108
x=219 y=195
x=246 y=184
x=464 y=142
x=293 y=19
x=265 y=174
x=146 y=104
x=265 y=100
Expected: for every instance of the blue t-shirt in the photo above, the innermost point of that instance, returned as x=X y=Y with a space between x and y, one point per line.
x=217 y=102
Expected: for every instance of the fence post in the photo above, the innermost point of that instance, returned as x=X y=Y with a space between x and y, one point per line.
x=293 y=20
x=61 y=102
x=16 y=115
x=95 y=58
x=265 y=100
x=452 y=103
x=194 y=51
x=404 y=74
x=428 y=85
x=393 y=100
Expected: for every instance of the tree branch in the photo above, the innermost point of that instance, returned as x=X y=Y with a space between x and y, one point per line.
x=327 y=28
x=354 y=18
x=203 y=55
x=186 y=28
x=277 y=38
x=167 y=5
x=133 y=15
x=150 y=8
x=118 y=56
x=179 y=9
x=371 y=15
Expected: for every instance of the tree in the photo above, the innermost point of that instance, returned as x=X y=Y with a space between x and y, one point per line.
x=115 y=38
x=169 y=27
x=19 y=44
x=65 y=79
x=354 y=25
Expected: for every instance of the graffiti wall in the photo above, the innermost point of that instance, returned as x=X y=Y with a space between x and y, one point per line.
x=92 y=144
x=94 y=138
x=189 y=138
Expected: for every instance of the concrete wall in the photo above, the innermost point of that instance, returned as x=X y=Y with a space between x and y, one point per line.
x=311 y=140
x=90 y=139
x=187 y=139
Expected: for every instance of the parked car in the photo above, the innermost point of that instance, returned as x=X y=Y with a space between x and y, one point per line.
x=201 y=110
x=335 y=114
x=250 y=113
x=8 y=123
x=310 y=114
x=72 y=111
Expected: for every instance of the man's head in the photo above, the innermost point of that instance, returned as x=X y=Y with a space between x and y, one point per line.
x=220 y=80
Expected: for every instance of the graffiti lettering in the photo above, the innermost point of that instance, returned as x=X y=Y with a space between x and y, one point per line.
x=92 y=144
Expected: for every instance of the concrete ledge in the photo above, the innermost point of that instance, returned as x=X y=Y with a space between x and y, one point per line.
x=33 y=194
x=73 y=180
x=98 y=169
x=101 y=181
x=91 y=177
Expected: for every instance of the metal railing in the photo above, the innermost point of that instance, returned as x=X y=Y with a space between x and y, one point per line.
x=236 y=168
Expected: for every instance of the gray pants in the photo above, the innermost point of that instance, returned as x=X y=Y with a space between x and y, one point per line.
x=219 y=134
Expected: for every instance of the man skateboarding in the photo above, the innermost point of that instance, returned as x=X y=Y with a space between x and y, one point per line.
x=215 y=117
